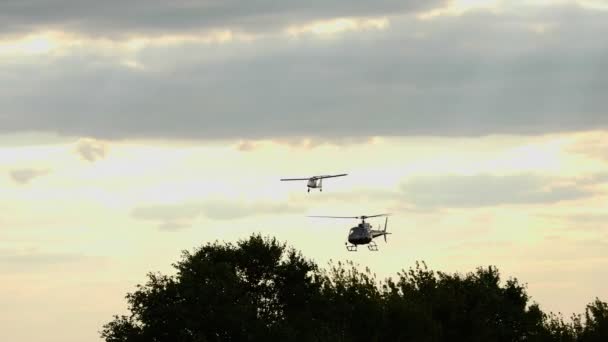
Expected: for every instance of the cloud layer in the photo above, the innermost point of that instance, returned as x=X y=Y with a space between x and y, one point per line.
x=476 y=74
x=156 y=16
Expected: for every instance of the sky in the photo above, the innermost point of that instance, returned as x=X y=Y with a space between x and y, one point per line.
x=132 y=131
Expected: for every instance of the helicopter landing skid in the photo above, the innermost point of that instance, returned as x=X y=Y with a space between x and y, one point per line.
x=372 y=246
x=351 y=248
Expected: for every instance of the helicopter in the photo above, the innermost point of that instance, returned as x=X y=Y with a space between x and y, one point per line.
x=363 y=233
x=314 y=182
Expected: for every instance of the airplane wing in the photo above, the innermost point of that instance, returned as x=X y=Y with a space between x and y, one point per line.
x=331 y=176
x=294 y=179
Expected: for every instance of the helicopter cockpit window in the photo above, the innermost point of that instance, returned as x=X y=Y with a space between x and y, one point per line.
x=352 y=232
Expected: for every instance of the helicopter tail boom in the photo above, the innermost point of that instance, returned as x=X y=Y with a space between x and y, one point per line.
x=383 y=232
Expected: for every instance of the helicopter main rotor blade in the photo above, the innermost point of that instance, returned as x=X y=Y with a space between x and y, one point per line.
x=331 y=176
x=353 y=217
x=342 y=217
x=362 y=217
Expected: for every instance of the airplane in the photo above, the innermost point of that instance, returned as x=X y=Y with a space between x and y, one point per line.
x=363 y=233
x=315 y=182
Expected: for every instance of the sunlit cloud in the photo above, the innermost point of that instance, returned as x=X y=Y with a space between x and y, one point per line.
x=306 y=143
x=460 y=7
x=339 y=25
x=594 y=4
x=91 y=149
x=125 y=49
x=33 y=44
x=246 y=146
x=24 y=176
x=592 y=145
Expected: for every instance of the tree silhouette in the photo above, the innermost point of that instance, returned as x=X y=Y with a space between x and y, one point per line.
x=259 y=289
x=596 y=318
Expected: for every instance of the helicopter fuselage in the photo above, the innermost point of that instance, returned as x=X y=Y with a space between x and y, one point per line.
x=361 y=234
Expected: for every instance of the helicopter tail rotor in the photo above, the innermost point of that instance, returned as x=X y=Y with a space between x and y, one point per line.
x=385 y=226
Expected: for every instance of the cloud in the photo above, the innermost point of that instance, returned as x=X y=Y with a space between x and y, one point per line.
x=33 y=260
x=424 y=194
x=115 y=18
x=594 y=179
x=230 y=211
x=167 y=212
x=593 y=145
x=24 y=176
x=583 y=221
x=91 y=150
x=457 y=191
x=443 y=77
x=181 y=216
x=246 y=146
x=171 y=226
x=312 y=142
x=305 y=143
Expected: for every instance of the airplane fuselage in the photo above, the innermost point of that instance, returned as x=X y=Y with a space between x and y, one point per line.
x=313 y=183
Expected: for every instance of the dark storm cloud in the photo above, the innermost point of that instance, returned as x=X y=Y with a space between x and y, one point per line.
x=460 y=76
x=113 y=17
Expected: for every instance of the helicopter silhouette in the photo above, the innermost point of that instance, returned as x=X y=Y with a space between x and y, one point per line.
x=363 y=233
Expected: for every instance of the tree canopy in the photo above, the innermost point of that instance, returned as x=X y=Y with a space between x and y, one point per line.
x=260 y=289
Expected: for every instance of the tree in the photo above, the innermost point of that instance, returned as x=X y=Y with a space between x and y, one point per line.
x=444 y=307
x=259 y=289
x=246 y=292
x=596 y=322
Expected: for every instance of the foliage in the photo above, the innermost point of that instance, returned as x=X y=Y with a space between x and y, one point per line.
x=259 y=289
